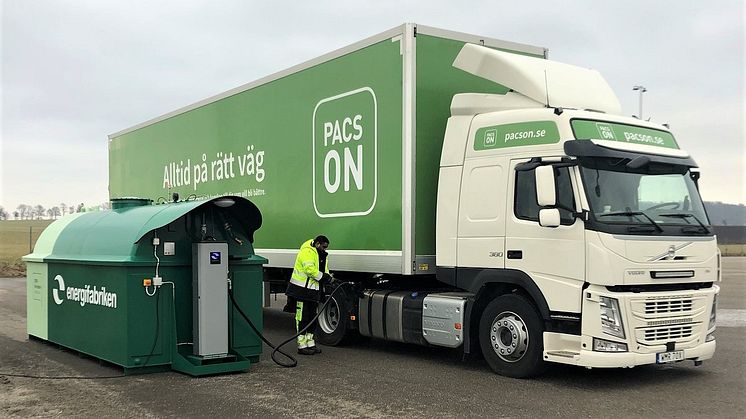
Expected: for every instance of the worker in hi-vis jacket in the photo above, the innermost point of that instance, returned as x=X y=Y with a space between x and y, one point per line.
x=310 y=270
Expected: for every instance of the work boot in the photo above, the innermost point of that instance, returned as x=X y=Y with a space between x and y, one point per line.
x=316 y=349
x=306 y=351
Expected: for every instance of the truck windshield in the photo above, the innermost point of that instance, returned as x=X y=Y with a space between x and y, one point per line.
x=660 y=200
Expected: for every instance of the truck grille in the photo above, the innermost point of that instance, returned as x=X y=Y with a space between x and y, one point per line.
x=665 y=334
x=657 y=319
x=668 y=306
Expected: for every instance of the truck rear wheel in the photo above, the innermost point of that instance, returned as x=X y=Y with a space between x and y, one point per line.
x=334 y=321
x=511 y=337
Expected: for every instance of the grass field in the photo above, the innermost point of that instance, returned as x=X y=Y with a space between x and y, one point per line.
x=733 y=249
x=16 y=238
x=15 y=243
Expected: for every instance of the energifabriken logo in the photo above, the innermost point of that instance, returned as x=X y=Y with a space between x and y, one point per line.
x=83 y=296
x=345 y=154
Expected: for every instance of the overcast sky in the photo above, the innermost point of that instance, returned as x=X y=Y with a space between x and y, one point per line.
x=75 y=71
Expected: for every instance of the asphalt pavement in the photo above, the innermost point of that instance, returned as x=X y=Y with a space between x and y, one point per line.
x=374 y=379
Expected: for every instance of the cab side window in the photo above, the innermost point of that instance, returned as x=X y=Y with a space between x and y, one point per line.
x=526 y=206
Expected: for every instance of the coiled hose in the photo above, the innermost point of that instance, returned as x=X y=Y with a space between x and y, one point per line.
x=275 y=349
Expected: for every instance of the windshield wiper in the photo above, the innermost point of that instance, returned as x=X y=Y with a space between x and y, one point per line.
x=633 y=214
x=684 y=216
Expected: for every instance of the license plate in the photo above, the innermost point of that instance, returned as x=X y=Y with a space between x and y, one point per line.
x=666 y=357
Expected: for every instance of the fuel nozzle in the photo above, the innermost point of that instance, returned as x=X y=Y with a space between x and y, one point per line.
x=229 y=231
x=203 y=227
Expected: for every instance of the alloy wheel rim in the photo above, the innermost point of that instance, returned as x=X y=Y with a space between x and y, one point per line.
x=509 y=336
x=330 y=317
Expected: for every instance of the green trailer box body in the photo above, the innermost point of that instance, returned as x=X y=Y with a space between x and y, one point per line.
x=85 y=282
x=346 y=145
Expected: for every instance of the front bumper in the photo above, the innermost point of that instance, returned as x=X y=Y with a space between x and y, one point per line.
x=631 y=359
x=594 y=359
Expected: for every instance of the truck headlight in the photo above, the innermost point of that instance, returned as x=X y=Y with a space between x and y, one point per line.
x=713 y=313
x=602 y=345
x=611 y=317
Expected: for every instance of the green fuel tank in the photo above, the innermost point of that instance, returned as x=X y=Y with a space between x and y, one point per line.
x=88 y=273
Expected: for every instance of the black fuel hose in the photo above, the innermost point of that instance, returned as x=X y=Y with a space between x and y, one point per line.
x=276 y=349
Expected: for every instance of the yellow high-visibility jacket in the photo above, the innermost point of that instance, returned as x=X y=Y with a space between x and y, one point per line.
x=306 y=273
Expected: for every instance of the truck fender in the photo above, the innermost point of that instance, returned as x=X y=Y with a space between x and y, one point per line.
x=475 y=280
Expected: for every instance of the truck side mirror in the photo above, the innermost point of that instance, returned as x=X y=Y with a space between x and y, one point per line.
x=546 y=195
x=549 y=217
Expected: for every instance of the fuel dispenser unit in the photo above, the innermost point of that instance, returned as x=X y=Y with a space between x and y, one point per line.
x=210 y=326
x=146 y=287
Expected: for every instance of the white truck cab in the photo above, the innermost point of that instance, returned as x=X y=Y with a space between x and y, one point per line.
x=581 y=233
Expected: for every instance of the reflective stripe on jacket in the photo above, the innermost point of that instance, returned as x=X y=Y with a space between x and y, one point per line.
x=306 y=271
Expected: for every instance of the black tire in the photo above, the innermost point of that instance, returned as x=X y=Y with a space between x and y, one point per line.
x=509 y=351
x=334 y=324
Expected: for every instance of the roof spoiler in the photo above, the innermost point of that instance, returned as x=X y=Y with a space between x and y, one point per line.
x=552 y=83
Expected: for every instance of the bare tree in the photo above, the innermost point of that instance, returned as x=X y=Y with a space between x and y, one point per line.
x=56 y=212
x=24 y=211
x=40 y=211
x=63 y=208
x=3 y=214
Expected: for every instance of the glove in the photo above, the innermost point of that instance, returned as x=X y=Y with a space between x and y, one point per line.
x=326 y=278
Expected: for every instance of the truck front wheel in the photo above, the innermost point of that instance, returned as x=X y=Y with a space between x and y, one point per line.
x=511 y=337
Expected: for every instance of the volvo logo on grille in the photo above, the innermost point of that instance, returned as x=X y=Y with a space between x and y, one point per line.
x=671 y=252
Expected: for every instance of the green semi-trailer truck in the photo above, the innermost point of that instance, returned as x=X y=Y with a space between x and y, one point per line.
x=481 y=195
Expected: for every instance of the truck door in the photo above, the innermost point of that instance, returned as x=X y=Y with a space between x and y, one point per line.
x=554 y=258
